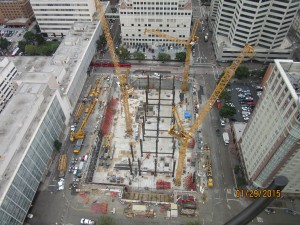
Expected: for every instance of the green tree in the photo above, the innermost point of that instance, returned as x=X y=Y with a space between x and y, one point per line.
x=39 y=39
x=242 y=72
x=194 y=223
x=101 y=42
x=22 y=45
x=123 y=53
x=29 y=37
x=227 y=111
x=57 y=145
x=30 y=50
x=180 y=56
x=225 y=95
x=37 y=28
x=105 y=220
x=44 y=50
x=138 y=55
x=237 y=169
x=4 y=43
x=164 y=57
x=240 y=181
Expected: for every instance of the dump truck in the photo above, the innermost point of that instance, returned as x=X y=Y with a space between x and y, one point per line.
x=62 y=165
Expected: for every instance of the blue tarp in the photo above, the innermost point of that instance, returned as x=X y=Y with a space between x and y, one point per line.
x=187 y=115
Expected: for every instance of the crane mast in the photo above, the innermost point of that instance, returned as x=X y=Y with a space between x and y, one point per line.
x=184 y=136
x=121 y=76
x=189 y=44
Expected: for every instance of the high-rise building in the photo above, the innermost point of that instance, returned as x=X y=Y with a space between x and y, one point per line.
x=7 y=72
x=172 y=17
x=296 y=24
x=270 y=143
x=264 y=24
x=37 y=114
x=55 y=17
x=16 y=12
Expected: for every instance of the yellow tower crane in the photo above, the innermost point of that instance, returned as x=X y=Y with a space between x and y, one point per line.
x=80 y=134
x=177 y=129
x=189 y=44
x=122 y=77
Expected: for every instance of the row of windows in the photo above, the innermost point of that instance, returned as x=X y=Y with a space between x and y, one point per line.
x=73 y=15
x=149 y=25
x=45 y=4
x=155 y=3
x=77 y=10
x=155 y=13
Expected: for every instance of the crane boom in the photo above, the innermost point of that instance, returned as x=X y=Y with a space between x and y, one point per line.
x=189 y=44
x=185 y=136
x=80 y=134
x=115 y=59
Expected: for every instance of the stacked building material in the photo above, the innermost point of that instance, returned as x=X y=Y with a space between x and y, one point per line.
x=161 y=184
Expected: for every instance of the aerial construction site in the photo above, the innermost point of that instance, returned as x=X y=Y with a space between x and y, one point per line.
x=139 y=133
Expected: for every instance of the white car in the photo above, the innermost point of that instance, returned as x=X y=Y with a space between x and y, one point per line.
x=73 y=128
x=87 y=221
x=156 y=74
x=246 y=118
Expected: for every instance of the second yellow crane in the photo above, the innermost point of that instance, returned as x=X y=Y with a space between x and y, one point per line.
x=188 y=44
x=177 y=129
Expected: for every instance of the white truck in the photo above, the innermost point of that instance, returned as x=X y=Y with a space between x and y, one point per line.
x=226 y=138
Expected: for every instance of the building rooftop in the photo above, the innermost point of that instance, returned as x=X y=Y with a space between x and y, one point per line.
x=18 y=121
x=290 y=72
x=71 y=51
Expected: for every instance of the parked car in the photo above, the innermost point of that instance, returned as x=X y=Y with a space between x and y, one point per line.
x=269 y=210
x=87 y=221
x=291 y=212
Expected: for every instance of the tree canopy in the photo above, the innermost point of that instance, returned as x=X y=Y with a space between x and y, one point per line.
x=29 y=37
x=4 y=43
x=123 y=53
x=227 y=111
x=242 y=72
x=180 y=56
x=163 y=57
x=138 y=55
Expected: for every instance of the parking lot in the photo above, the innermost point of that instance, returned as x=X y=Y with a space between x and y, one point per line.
x=244 y=97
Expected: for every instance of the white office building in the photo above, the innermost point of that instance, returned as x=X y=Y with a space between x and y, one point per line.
x=261 y=24
x=37 y=114
x=270 y=142
x=7 y=72
x=171 y=17
x=55 y=17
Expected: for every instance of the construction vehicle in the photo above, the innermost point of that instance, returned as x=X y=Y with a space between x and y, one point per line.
x=80 y=134
x=177 y=129
x=122 y=77
x=106 y=146
x=78 y=145
x=62 y=165
x=188 y=44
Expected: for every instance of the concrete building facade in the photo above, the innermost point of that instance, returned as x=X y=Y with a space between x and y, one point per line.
x=172 y=17
x=16 y=12
x=262 y=24
x=48 y=89
x=270 y=143
x=7 y=72
x=56 y=17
